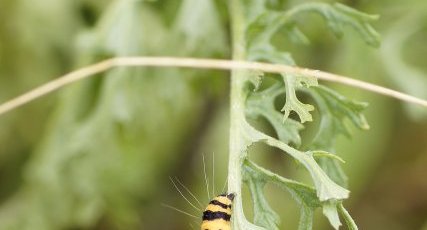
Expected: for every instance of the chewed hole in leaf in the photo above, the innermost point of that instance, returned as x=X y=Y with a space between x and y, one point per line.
x=262 y=124
x=293 y=115
x=282 y=164
x=271 y=157
x=285 y=204
x=310 y=129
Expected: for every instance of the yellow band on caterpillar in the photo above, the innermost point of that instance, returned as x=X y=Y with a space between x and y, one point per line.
x=217 y=214
x=216 y=225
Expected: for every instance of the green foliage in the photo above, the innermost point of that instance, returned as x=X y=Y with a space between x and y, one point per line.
x=257 y=177
x=334 y=109
x=337 y=16
x=260 y=32
x=292 y=84
x=197 y=14
x=264 y=215
x=261 y=104
x=260 y=24
x=112 y=138
x=396 y=66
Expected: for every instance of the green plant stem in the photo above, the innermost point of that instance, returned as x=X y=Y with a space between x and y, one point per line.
x=237 y=140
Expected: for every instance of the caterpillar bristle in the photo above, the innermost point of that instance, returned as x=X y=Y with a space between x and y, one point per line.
x=218 y=213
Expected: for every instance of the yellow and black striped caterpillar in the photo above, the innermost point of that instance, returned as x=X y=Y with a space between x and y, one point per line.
x=217 y=214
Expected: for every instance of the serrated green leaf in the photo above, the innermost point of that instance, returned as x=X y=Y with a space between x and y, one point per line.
x=334 y=109
x=261 y=104
x=334 y=170
x=338 y=16
x=292 y=103
x=264 y=215
x=255 y=77
x=292 y=82
x=267 y=52
x=263 y=28
x=306 y=218
x=326 y=173
x=295 y=34
x=319 y=154
x=267 y=24
x=326 y=188
x=351 y=225
x=304 y=195
x=331 y=212
x=260 y=31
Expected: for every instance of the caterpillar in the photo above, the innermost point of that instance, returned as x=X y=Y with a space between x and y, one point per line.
x=217 y=214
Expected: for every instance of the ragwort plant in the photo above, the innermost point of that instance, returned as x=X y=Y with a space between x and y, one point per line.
x=254 y=23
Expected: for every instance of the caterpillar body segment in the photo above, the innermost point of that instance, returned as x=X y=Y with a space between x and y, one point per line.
x=217 y=214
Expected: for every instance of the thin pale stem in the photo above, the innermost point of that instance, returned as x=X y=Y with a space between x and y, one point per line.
x=92 y=70
x=237 y=141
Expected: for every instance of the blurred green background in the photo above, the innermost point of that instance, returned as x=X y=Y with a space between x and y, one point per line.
x=99 y=154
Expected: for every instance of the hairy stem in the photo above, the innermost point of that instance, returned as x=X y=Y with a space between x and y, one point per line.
x=237 y=118
x=236 y=141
